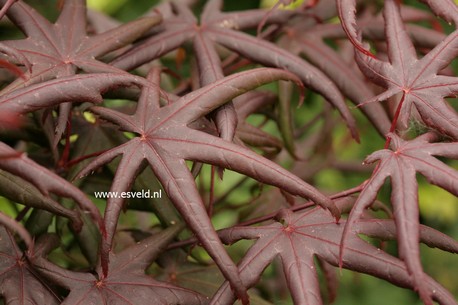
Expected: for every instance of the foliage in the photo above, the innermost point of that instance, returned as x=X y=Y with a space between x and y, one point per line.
x=127 y=143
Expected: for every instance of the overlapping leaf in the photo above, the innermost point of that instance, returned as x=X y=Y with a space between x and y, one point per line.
x=253 y=102
x=246 y=105
x=303 y=40
x=126 y=283
x=418 y=80
x=63 y=48
x=164 y=141
x=20 y=191
x=445 y=9
x=46 y=182
x=78 y=88
x=177 y=269
x=216 y=27
x=307 y=37
x=19 y=283
x=298 y=237
x=401 y=164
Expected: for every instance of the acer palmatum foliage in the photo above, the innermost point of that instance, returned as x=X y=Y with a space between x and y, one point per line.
x=95 y=113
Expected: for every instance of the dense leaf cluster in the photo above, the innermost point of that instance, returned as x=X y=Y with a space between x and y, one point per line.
x=89 y=104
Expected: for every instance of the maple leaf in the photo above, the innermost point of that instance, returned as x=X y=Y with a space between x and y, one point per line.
x=223 y=28
x=19 y=283
x=401 y=164
x=63 y=48
x=298 y=237
x=416 y=79
x=308 y=37
x=126 y=283
x=164 y=141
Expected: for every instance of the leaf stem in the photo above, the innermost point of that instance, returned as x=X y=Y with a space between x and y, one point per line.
x=211 y=196
x=395 y=120
x=82 y=158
